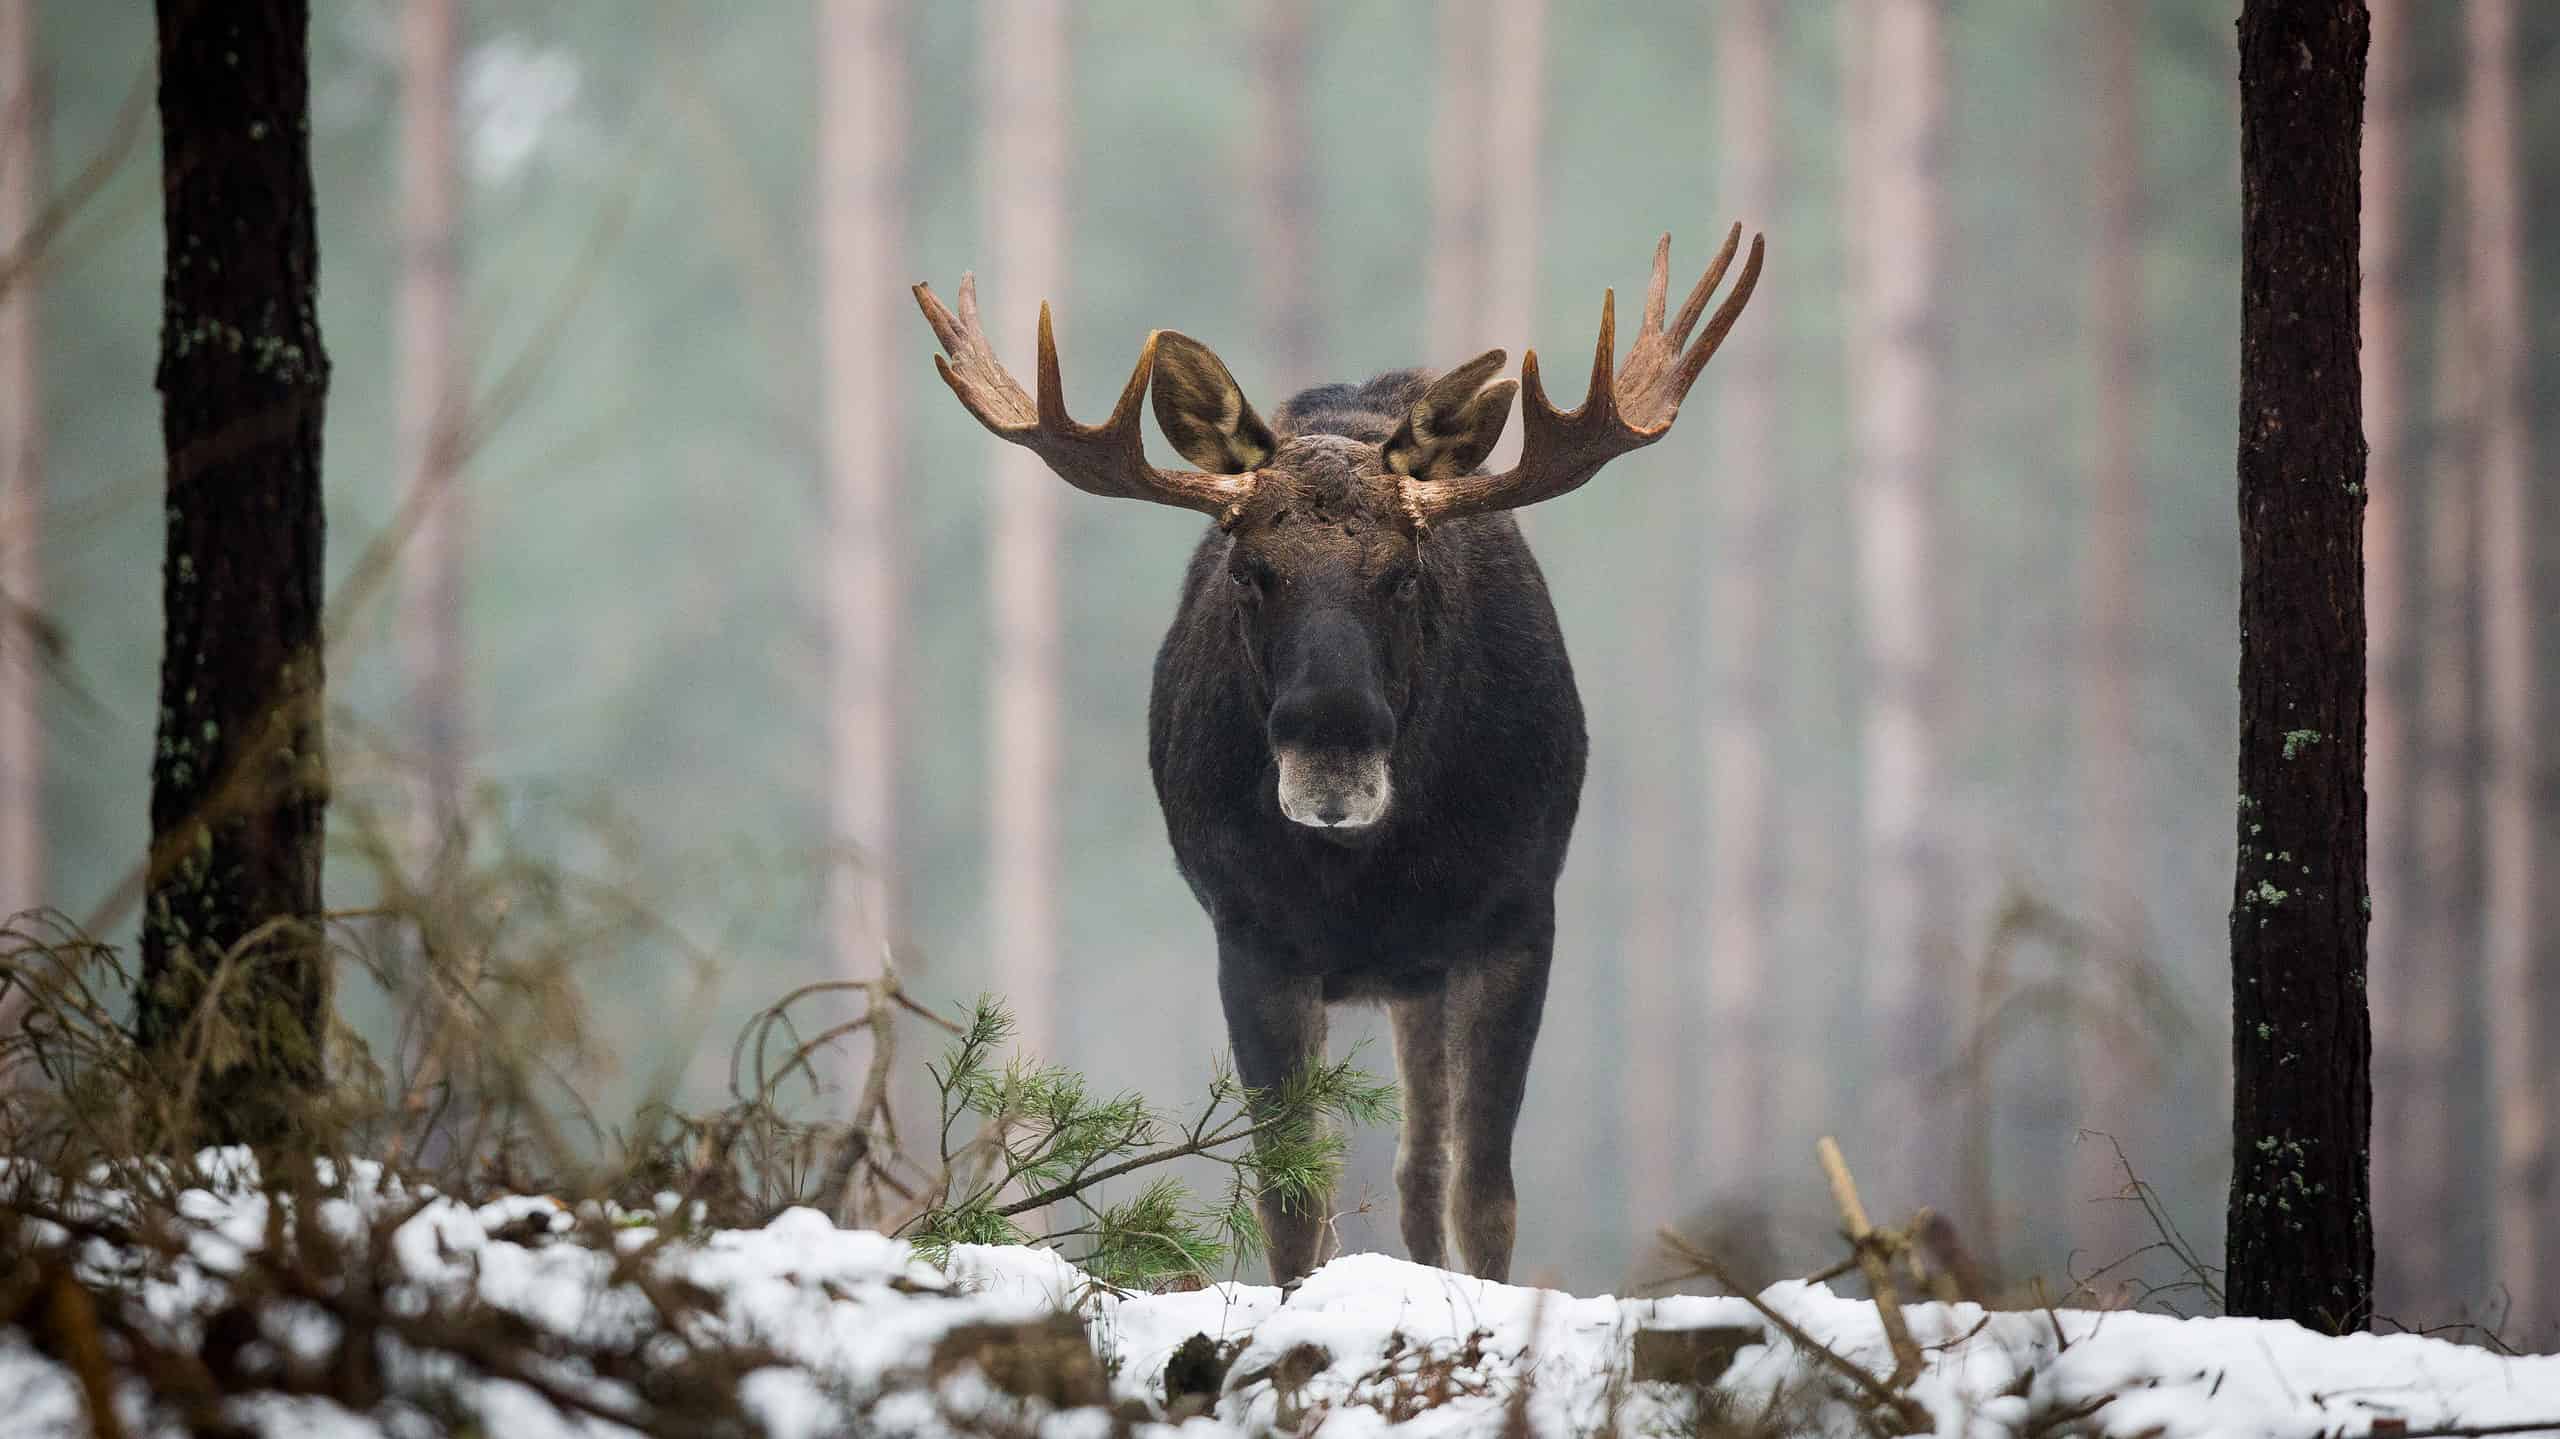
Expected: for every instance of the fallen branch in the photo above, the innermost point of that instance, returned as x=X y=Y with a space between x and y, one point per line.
x=1908 y=1411
x=1871 y=1263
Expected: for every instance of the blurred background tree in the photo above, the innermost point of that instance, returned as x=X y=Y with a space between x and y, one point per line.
x=653 y=664
x=22 y=188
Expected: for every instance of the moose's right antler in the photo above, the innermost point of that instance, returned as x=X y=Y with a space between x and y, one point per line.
x=1622 y=411
x=1106 y=459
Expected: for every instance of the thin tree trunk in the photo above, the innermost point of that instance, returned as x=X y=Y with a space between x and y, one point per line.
x=2300 y=1234
x=1454 y=271
x=239 y=778
x=1911 y=936
x=2439 y=1258
x=1025 y=169
x=2407 y=998
x=1284 y=194
x=862 y=108
x=1509 y=178
x=1487 y=128
x=22 y=172
x=1742 y=837
x=1657 y=1114
x=2521 y=1084
x=430 y=413
x=1653 y=1104
x=2110 y=1098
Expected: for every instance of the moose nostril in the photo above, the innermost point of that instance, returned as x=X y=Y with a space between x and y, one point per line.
x=1340 y=720
x=1332 y=812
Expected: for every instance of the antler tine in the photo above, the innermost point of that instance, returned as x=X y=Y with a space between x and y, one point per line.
x=1696 y=304
x=1600 y=389
x=1603 y=389
x=1658 y=289
x=945 y=328
x=1726 y=313
x=1053 y=387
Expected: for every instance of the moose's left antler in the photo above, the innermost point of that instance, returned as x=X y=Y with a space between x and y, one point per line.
x=1621 y=412
x=1105 y=459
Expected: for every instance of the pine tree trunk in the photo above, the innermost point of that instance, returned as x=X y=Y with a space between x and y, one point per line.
x=2111 y=1102
x=22 y=172
x=1284 y=194
x=2406 y=997
x=430 y=414
x=239 y=779
x=1454 y=324
x=1024 y=199
x=2300 y=1236
x=2521 y=1085
x=862 y=108
x=1912 y=968
x=1654 y=1109
x=2439 y=1257
x=1658 y=1115
x=1512 y=120
x=1742 y=836
x=1488 y=122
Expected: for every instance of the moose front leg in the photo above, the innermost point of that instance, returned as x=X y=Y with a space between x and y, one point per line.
x=1276 y=1026
x=1422 y=1150
x=1496 y=1008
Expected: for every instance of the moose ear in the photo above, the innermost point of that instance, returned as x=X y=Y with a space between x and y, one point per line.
x=1454 y=424
x=1204 y=412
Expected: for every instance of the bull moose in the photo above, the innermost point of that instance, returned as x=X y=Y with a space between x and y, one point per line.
x=1364 y=730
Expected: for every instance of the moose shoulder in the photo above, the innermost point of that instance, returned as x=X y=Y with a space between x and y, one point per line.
x=1364 y=730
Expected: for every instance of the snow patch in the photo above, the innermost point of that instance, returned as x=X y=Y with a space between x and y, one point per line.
x=1366 y=1346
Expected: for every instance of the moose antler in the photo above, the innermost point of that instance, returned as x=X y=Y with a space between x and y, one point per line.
x=1620 y=412
x=1105 y=459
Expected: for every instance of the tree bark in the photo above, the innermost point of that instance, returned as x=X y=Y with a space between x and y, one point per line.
x=2300 y=1236
x=239 y=779
x=2110 y=1098
x=431 y=404
x=862 y=108
x=1284 y=194
x=1897 y=399
x=2519 y=998
x=1025 y=169
x=22 y=171
x=2409 y=999
x=1742 y=837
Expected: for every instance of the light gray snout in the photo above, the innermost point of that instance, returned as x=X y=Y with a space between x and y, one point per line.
x=1332 y=789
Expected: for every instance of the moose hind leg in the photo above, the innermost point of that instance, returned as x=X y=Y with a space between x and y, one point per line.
x=1497 y=1010
x=1276 y=1025
x=1422 y=1149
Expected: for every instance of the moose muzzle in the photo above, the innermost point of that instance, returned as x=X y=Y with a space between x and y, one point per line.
x=1331 y=733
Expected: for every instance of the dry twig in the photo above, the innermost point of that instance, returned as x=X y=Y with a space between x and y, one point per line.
x=1872 y=1262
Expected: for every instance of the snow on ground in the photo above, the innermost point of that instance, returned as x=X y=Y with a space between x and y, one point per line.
x=870 y=1337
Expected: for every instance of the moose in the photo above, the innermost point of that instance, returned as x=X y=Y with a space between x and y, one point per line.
x=1363 y=729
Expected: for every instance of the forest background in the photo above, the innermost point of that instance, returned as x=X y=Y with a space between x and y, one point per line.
x=650 y=546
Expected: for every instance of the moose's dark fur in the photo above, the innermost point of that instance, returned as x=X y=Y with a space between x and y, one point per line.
x=1321 y=609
